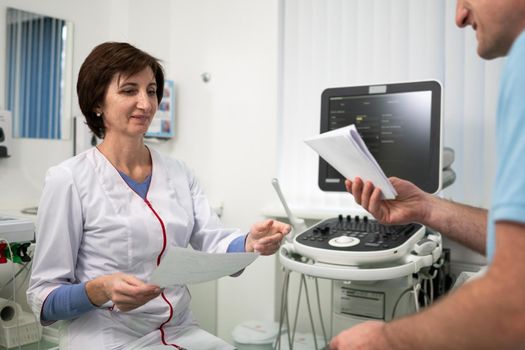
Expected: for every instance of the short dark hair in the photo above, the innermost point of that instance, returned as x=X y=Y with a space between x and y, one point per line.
x=99 y=68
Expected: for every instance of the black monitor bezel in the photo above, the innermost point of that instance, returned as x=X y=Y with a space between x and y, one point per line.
x=433 y=183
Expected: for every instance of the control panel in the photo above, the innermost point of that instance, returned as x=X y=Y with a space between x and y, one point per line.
x=353 y=240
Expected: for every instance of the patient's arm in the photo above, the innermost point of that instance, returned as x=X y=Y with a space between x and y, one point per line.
x=460 y=222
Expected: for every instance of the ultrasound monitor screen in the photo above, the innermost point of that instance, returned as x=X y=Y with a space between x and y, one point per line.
x=400 y=124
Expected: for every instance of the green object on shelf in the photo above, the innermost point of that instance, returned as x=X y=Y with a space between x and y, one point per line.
x=15 y=247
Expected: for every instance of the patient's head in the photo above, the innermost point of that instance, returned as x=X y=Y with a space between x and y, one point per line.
x=106 y=61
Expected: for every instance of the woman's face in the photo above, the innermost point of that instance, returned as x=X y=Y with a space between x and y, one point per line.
x=129 y=104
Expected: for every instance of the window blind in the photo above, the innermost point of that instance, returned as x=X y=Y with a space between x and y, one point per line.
x=35 y=67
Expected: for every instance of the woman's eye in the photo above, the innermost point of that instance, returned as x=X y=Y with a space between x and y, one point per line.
x=128 y=92
x=152 y=92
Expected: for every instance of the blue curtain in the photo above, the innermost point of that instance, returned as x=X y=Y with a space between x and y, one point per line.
x=34 y=74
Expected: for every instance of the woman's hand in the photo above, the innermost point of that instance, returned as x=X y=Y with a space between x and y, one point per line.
x=410 y=205
x=125 y=291
x=265 y=237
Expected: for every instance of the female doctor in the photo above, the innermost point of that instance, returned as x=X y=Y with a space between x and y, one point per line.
x=108 y=215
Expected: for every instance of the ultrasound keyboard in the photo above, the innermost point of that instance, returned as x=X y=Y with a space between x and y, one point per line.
x=354 y=240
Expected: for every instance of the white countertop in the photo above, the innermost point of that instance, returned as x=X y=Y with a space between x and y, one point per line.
x=15 y=209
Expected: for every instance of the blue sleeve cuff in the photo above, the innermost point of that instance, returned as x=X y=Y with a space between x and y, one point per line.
x=66 y=302
x=237 y=245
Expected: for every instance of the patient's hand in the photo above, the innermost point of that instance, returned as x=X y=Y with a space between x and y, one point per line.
x=410 y=205
x=368 y=335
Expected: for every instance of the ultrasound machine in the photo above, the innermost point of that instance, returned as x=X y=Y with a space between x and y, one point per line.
x=377 y=271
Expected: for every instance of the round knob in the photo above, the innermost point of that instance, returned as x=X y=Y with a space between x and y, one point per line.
x=344 y=241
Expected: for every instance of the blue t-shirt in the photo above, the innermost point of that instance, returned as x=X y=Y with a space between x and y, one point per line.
x=508 y=196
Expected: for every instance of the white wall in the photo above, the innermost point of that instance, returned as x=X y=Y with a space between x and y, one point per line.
x=226 y=128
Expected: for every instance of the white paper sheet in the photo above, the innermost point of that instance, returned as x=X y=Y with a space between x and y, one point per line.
x=187 y=266
x=346 y=151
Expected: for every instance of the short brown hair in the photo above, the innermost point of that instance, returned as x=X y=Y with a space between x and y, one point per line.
x=99 y=68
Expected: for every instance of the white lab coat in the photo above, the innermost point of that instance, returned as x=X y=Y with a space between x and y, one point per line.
x=90 y=224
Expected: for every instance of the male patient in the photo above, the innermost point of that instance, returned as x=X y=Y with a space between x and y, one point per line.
x=488 y=313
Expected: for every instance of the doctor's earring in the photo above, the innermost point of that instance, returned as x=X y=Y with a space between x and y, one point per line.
x=98 y=114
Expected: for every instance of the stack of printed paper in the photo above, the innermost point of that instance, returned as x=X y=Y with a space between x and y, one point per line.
x=345 y=150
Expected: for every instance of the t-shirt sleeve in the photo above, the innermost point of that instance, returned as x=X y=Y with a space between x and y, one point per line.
x=509 y=189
